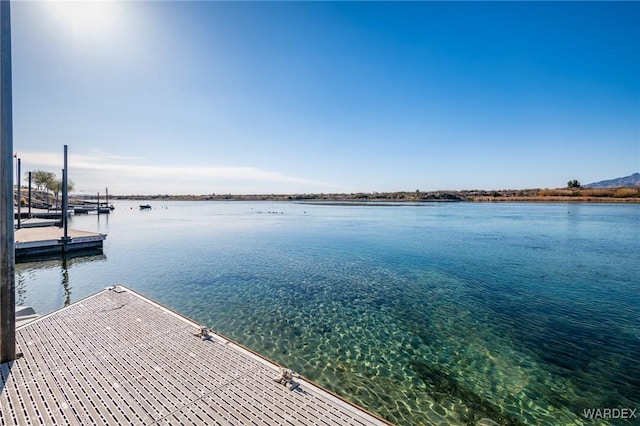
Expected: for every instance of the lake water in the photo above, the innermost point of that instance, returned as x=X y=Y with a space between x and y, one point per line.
x=424 y=314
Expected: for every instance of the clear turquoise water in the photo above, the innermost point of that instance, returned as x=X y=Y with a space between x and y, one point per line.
x=426 y=314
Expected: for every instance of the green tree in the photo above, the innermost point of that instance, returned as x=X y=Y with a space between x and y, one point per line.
x=573 y=184
x=43 y=180
x=55 y=186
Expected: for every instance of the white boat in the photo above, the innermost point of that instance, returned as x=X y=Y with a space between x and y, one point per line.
x=25 y=314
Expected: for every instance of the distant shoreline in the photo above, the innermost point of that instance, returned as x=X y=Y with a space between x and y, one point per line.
x=593 y=200
x=564 y=195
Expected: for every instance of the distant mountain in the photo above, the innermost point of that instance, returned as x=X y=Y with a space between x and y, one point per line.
x=633 y=180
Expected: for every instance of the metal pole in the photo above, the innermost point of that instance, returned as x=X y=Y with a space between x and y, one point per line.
x=65 y=198
x=63 y=216
x=7 y=249
x=29 y=215
x=19 y=195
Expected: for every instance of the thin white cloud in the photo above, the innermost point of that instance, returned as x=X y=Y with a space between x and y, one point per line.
x=106 y=155
x=124 y=175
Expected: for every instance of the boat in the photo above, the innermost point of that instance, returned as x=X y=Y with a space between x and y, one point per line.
x=24 y=314
x=91 y=203
x=82 y=209
x=145 y=206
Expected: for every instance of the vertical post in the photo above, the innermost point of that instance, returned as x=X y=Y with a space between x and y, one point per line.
x=7 y=248
x=63 y=217
x=29 y=214
x=19 y=195
x=65 y=199
x=98 y=204
x=107 y=195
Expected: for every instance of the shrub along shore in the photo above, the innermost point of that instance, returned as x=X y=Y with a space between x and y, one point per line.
x=566 y=195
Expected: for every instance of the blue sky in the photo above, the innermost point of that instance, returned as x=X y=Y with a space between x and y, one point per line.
x=284 y=97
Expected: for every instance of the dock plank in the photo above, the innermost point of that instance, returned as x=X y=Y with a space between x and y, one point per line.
x=119 y=358
x=27 y=235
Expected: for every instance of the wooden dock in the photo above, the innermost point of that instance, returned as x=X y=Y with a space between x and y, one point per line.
x=43 y=241
x=119 y=358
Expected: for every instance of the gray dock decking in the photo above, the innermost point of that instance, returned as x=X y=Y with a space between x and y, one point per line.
x=38 y=241
x=119 y=358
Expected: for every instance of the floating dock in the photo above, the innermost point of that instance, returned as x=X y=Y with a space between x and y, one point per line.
x=119 y=358
x=39 y=213
x=45 y=241
x=38 y=223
